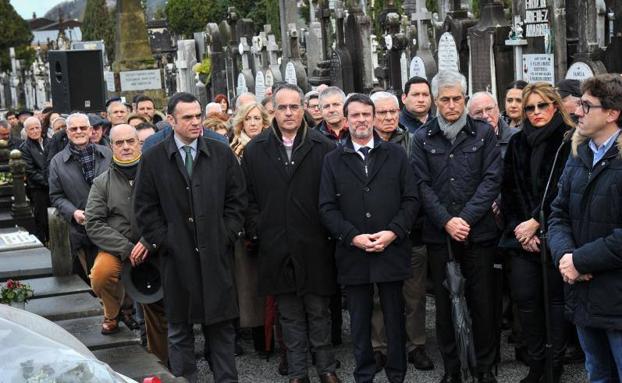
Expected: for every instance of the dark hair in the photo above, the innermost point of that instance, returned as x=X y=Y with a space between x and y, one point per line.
x=9 y=114
x=146 y=125
x=607 y=88
x=518 y=84
x=277 y=87
x=358 y=97
x=177 y=98
x=47 y=109
x=416 y=80
x=266 y=100
x=143 y=98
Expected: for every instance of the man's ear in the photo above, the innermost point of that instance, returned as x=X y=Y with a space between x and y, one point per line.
x=170 y=119
x=613 y=115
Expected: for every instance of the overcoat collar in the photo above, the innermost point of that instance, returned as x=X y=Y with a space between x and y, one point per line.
x=353 y=160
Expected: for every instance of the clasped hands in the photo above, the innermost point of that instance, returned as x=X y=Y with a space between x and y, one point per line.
x=569 y=272
x=458 y=229
x=525 y=233
x=374 y=243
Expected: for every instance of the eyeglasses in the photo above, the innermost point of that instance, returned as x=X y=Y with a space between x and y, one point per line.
x=542 y=106
x=586 y=106
x=316 y=106
x=486 y=111
x=129 y=141
x=82 y=128
x=386 y=113
x=284 y=107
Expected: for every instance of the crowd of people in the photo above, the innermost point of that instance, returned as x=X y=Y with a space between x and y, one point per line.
x=274 y=215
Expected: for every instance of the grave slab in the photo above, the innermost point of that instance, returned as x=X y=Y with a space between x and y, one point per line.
x=88 y=331
x=65 y=307
x=141 y=364
x=28 y=263
x=54 y=286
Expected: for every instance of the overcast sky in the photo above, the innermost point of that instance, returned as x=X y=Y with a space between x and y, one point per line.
x=25 y=8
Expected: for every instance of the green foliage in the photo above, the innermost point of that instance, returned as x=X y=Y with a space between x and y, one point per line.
x=15 y=32
x=375 y=11
x=98 y=25
x=160 y=13
x=15 y=291
x=272 y=17
x=188 y=16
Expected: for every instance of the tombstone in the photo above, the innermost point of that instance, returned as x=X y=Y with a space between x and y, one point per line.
x=457 y=23
x=288 y=16
x=215 y=44
x=14 y=79
x=160 y=39
x=394 y=42
x=295 y=60
x=320 y=74
x=20 y=208
x=358 y=42
x=341 y=67
x=423 y=63
x=290 y=74
x=260 y=86
x=313 y=49
x=517 y=42
x=247 y=72
x=490 y=60
x=448 y=58
x=273 y=73
x=186 y=59
x=580 y=70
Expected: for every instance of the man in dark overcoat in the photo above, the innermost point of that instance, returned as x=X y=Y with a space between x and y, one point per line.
x=458 y=163
x=296 y=256
x=368 y=201
x=190 y=198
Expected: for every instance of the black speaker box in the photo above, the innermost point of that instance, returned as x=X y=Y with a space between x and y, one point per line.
x=77 y=79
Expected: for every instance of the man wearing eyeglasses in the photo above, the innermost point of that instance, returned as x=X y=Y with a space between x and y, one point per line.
x=111 y=226
x=282 y=166
x=312 y=108
x=333 y=125
x=71 y=174
x=585 y=227
x=459 y=165
x=483 y=106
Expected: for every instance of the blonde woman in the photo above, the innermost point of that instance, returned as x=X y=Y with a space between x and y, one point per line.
x=250 y=120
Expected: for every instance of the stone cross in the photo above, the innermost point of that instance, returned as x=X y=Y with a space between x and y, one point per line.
x=186 y=58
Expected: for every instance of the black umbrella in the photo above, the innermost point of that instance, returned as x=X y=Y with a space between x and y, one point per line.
x=454 y=283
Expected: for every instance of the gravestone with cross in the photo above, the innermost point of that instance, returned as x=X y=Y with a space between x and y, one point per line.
x=394 y=60
x=457 y=22
x=273 y=73
x=217 y=55
x=422 y=63
x=294 y=65
x=358 y=42
x=246 y=79
x=320 y=74
x=341 y=69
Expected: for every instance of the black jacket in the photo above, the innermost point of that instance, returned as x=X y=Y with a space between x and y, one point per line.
x=35 y=158
x=586 y=220
x=296 y=254
x=519 y=202
x=327 y=132
x=194 y=222
x=56 y=144
x=457 y=180
x=352 y=203
x=410 y=121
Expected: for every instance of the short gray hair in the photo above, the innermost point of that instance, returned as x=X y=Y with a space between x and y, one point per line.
x=213 y=105
x=73 y=116
x=285 y=85
x=310 y=95
x=478 y=95
x=448 y=78
x=332 y=91
x=383 y=95
x=109 y=107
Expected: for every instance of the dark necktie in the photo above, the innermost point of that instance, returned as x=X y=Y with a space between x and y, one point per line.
x=365 y=151
x=188 y=160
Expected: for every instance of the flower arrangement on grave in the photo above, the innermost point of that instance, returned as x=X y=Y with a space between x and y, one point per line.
x=203 y=70
x=15 y=291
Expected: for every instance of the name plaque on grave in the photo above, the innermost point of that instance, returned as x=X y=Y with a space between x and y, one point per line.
x=579 y=71
x=242 y=88
x=536 y=18
x=140 y=80
x=260 y=86
x=290 y=74
x=447 y=53
x=18 y=240
x=109 y=78
x=417 y=67
x=539 y=67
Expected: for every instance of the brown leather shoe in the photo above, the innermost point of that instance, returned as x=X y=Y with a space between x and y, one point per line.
x=300 y=380
x=110 y=326
x=329 y=377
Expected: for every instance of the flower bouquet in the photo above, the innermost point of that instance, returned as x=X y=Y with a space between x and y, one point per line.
x=15 y=293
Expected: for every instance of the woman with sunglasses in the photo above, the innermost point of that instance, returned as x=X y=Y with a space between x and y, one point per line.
x=534 y=154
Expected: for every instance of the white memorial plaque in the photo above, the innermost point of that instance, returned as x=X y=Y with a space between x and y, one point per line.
x=18 y=240
x=579 y=71
x=260 y=86
x=140 y=80
x=448 y=53
x=242 y=88
x=539 y=67
x=417 y=67
x=269 y=78
x=404 y=68
x=109 y=78
x=290 y=73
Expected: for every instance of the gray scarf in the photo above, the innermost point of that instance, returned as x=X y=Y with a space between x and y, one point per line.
x=451 y=129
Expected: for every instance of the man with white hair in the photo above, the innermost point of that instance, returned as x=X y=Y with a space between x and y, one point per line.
x=483 y=106
x=243 y=99
x=117 y=112
x=71 y=175
x=459 y=167
x=212 y=107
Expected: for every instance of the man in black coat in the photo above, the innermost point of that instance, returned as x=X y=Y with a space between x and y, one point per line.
x=190 y=198
x=34 y=155
x=368 y=201
x=296 y=256
x=459 y=165
x=586 y=227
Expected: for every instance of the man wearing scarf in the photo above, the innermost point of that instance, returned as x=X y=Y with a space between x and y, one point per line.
x=71 y=175
x=459 y=166
x=111 y=225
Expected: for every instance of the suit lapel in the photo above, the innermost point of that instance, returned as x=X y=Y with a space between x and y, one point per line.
x=379 y=158
x=355 y=163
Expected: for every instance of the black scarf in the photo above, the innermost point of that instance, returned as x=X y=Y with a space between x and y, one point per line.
x=537 y=139
x=86 y=158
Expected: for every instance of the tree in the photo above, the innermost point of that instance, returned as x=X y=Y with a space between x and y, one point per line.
x=98 y=25
x=188 y=16
x=15 y=33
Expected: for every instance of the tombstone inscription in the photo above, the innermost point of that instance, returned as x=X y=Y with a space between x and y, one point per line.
x=448 y=53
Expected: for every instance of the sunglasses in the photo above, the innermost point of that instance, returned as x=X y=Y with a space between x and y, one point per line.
x=542 y=106
x=82 y=128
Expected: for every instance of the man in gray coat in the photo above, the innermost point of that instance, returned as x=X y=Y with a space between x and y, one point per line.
x=71 y=175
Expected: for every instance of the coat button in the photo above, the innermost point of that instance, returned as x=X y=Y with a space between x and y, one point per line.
x=196 y=249
x=474 y=148
x=368 y=215
x=433 y=151
x=366 y=188
x=451 y=155
x=154 y=245
x=190 y=220
x=452 y=179
x=187 y=188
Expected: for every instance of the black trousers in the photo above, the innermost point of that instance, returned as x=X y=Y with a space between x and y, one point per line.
x=41 y=201
x=526 y=282
x=476 y=262
x=360 y=305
